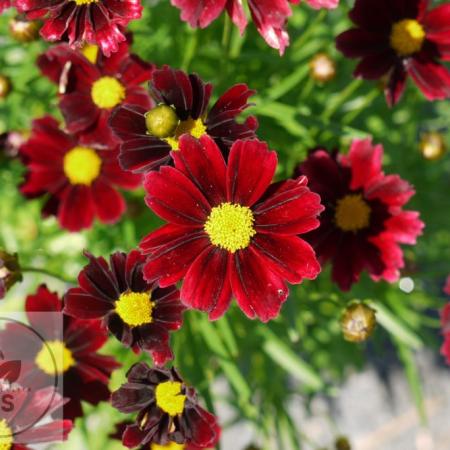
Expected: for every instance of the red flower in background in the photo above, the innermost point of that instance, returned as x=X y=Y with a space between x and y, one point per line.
x=447 y=286
x=91 y=85
x=363 y=223
x=149 y=136
x=397 y=38
x=5 y=4
x=97 y=22
x=138 y=313
x=230 y=232
x=79 y=180
x=85 y=374
x=270 y=16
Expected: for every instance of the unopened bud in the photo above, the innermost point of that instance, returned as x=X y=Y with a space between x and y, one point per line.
x=358 y=322
x=342 y=443
x=24 y=30
x=5 y=86
x=162 y=121
x=322 y=68
x=9 y=272
x=432 y=145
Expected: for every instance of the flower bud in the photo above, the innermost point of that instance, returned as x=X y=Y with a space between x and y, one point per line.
x=252 y=447
x=5 y=86
x=23 y=30
x=358 y=322
x=161 y=121
x=322 y=68
x=432 y=145
x=342 y=443
x=9 y=272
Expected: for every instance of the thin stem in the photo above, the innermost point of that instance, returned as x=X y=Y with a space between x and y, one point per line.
x=340 y=98
x=47 y=273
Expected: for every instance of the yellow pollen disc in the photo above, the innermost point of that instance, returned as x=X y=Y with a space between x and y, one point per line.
x=407 y=37
x=135 y=308
x=230 y=226
x=82 y=165
x=6 y=436
x=352 y=213
x=90 y=52
x=107 y=92
x=170 y=446
x=54 y=357
x=190 y=126
x=169 y=397
x=84 y=2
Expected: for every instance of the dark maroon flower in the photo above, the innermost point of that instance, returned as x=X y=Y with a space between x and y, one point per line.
x=168 y=410
x=97 y=22
x=80 y=181
x=91 y=85
x=363 y=223
x=138 y=313
x=183 y=101
x=397 y=38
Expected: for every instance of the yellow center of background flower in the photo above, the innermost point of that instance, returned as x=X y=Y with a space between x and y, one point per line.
x=135 y=308
x=6 y=435
x=190 y=126
x=82 y=165
x=54 y=357
x=84 y=2
x=407 y=37
x=170 y=446
x=90 y=52
x=169 y=397
x=107 y=92
x=352 y=213
x=230 y=226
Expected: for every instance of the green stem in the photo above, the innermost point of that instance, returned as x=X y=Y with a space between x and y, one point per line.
x=311 y=28
x=47 y=273
x=340 y=98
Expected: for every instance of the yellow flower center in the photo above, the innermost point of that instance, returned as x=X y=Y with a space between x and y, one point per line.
x=135 y=308
x=82 y=165
x=107 y=92
x=6 y=436
x=90 y=51
x=54 y=357
x=407 y=37
x=352 y=213
x=170 y=446
x=84 y=2
x=169 y=397
x=190 y=126
x=230 y=226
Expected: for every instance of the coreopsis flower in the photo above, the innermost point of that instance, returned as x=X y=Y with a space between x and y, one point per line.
x=269 y=16
x=358 y=322
x=364 y=222
x=10 y=272
x=137 y=313
x=98 y=22
x=398 y=39
x=91 y=85
x=230 y=232
x=168 y=412
x=72 y=356
x=79 y=181
x=149 y=136
x=19 y=424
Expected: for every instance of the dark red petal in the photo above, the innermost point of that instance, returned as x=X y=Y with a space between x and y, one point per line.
x=77 y=208
x=42 y=301
x=133 y=436
x=202 y=428
x=236 y=12
x=375 y=66
x=391 y=255
x=54 y=431
x=128 y=122
x=84 y=336
x=109 y=204
x=155 y=339
x=437 y=24
x=396 y=85
x=405 y=227
x=132 y=397
x=366 y=161
x=135 y=71
x=99 y=134
x=373 y=15
x=168 y=310
x=79 y=111
x=356 y=43
x=199 y=13
x=390 y=189
x=78 y=303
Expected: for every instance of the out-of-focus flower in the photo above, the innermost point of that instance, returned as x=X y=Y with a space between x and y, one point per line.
x=400 y=38
x=99 y=22
x=168 y=412
x=138 y=313
x=269 y=16
x=358 y=322
x=10 y=143
x=363 y=223
x=322 y=68
x=149 y=136
x=91 y=85
x=5 y=4
x=5 y=86
x=24 y=30
x=10 y=272
x=79 y=180
x=432 y=145
x=230 y=233
x=447 y=286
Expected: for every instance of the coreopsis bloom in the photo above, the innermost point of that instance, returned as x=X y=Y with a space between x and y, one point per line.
x=98 y=22
x=149 y=136
x=79 y=181
x=269 y=16
x=364 y=222
x=230 y=232
x=91 y=85
x=168 y=411
x=398 y=39
x=10 y=272
x=73 y=356
x=137 y=313
x=18 y=420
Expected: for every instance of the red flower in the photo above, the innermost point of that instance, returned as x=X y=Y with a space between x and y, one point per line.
x=138 y=313
x=270 y=16
x=149 y=136
x=93 y=85
x=363 y=222
x=399 y=38
x=85 y=374
x=18 y=425
x=78 y=179
x=231 y=233
x=447 y=286
x=168 y=410
x=5 y=4
x=445 y=321
x=77 y=21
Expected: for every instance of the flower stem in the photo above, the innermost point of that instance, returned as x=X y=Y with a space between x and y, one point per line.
x=47 y=273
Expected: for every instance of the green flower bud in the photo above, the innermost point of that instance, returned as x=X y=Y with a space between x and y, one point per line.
x=161 y=121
